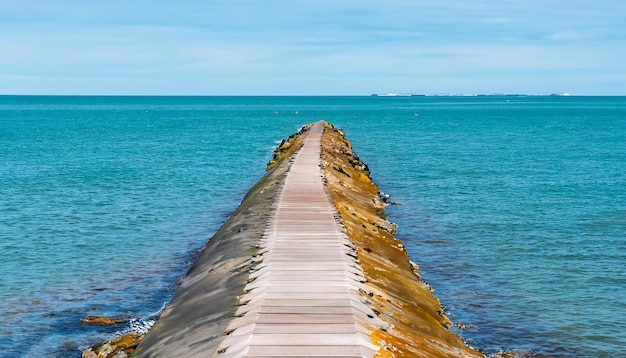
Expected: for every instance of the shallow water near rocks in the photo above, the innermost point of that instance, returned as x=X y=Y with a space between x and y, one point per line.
x=514 y=207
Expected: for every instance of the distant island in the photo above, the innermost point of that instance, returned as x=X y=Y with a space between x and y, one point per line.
x=391 y=94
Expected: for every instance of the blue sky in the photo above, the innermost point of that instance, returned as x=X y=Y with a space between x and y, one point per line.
x=299 y=47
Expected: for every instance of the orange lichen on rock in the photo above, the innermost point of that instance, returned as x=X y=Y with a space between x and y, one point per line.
x=417 y=326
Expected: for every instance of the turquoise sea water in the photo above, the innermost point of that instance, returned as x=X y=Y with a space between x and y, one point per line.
x=514 y=207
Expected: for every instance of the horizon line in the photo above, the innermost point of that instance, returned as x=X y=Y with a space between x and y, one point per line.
x=381 y=94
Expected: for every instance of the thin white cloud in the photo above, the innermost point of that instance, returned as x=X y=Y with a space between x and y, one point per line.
x=566 y=36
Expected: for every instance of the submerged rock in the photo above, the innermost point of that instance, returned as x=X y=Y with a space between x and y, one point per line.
x=101 y=321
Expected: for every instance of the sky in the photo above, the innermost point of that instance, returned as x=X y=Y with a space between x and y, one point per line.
x=307 y=47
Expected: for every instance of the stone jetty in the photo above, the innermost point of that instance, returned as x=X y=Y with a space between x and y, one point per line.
x=307 y=266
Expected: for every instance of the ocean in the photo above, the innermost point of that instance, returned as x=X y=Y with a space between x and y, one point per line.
x=513 y=206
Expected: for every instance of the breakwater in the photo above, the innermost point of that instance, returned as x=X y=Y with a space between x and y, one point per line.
x=396 y=313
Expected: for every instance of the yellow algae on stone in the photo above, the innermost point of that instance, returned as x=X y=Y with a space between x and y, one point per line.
x=417 y=326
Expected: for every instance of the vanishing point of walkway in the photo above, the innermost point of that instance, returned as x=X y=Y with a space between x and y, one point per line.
x=302 y=299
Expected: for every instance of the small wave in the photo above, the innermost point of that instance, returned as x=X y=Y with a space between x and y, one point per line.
x=142 y=325
x=160 y=310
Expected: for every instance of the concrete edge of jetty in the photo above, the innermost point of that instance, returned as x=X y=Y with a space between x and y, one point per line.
x=401 y=316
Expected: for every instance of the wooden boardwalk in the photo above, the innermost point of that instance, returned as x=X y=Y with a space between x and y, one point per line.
x=302 y=299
